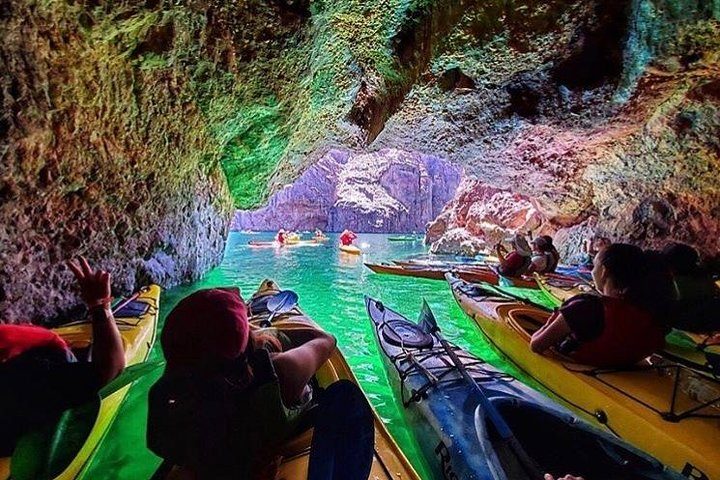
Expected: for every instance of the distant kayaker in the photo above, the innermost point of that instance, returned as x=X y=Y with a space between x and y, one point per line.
x=281 y=236
x=697 y=296
x=41 y=376
x=617 y=328
x=230 y=395
x=347 y=237
x=545 y=257
x=517 y=262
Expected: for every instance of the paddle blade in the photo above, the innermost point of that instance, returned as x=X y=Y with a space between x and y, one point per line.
x=427 y=321
x=282 y=302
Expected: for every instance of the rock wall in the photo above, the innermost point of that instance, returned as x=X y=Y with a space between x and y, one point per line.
x=385 y=191
x=603 y=114
x=106 y=152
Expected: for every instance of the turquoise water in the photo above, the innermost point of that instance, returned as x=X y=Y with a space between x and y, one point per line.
x=331 y=285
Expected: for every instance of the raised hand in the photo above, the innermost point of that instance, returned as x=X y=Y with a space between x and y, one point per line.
x=94 y=285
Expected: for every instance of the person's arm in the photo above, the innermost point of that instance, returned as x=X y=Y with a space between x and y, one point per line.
x=108 y=355
x=553 y=332
x=297 y=366
x=500 y=251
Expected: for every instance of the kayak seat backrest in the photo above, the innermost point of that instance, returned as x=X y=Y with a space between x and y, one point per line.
x=560 y=443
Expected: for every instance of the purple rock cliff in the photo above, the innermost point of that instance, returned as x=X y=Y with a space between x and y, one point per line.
x=385 y=191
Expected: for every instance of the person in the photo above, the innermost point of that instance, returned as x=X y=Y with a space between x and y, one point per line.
x=617 y=328
x=545 y=257
x=230 y=395
x=517 y=262
x=41 y=376
x=347 y=237
x=281 y=236
x=591 y=247
x=697 y=296
x=319 y=234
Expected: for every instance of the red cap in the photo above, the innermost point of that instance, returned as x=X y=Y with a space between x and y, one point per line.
x=207 y=327
x=18 y=339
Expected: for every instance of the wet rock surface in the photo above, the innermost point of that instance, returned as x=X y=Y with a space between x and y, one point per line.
x=384 y=191
x=101 y=157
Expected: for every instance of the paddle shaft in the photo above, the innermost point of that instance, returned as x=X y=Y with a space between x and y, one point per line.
x=511 y=296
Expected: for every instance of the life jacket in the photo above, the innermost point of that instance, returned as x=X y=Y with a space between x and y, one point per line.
x=630 y=333
x=281 y=238
x=214 y=427
x=551 y=261
x=514 y=264
x=347 y=238
x=18 y=339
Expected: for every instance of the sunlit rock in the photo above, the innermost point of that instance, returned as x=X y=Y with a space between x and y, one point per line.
x=479 y=216
x=385 y=191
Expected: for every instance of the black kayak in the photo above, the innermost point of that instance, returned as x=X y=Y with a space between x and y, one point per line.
x=473 y=422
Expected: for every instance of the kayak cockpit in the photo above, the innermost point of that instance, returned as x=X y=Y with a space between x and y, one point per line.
x=559 y=444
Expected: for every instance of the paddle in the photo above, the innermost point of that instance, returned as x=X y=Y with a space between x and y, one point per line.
x=428 y=322
x=492 y=290
x=281 y=302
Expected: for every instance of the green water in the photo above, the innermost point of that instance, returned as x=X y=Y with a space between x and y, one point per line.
x=331 y=286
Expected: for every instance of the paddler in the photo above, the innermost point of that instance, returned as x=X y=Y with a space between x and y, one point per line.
x=617 y=328
x=347 y=237
x=281 y=236
x=516 y=262
x=40 y=375
x=545 y=257
x=591 y=247
x=231 y=395
x=697 y=296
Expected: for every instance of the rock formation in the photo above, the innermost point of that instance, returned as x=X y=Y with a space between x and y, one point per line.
x=104 y=154
x=120 y=118
x=385 y=191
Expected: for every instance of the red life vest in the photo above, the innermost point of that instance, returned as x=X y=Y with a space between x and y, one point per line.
x=347 y=238
x=18 y=339
x=629 y=334
x=514 y=264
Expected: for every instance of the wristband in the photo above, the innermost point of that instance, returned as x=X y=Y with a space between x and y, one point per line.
x=100 y=302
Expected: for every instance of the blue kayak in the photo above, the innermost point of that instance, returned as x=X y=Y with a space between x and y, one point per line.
x=480 y=423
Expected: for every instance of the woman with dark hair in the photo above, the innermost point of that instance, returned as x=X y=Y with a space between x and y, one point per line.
x=697 y=296
x=614 y=329
x=545 y=257
x=516 y=262
x=231 y=396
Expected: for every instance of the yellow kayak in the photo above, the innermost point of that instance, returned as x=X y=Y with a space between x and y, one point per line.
x=559 y=291
x=351 y=249
x=389 y=463
x=635 y=404
x=137 y=322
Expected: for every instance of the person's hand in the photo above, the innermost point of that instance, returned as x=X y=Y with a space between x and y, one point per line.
x=566 y=477
x=94 y=285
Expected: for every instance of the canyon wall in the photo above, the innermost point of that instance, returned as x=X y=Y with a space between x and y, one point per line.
x=384 y=191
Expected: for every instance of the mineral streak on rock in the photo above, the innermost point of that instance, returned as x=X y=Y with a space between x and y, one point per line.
x=384 y=191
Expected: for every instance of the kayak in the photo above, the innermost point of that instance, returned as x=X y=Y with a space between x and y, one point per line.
x=406 y=238
x=351 y=249
x=557 y=289
x=388 y=463
x=459 y=421
x=471 y=274
x=80 y=431
x=289 y=243
x=642 y=405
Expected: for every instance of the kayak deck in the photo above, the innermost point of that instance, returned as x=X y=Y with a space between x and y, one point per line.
x=640 y=405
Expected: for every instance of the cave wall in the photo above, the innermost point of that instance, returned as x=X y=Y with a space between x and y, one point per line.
x=108 y=151
x=122 y=120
